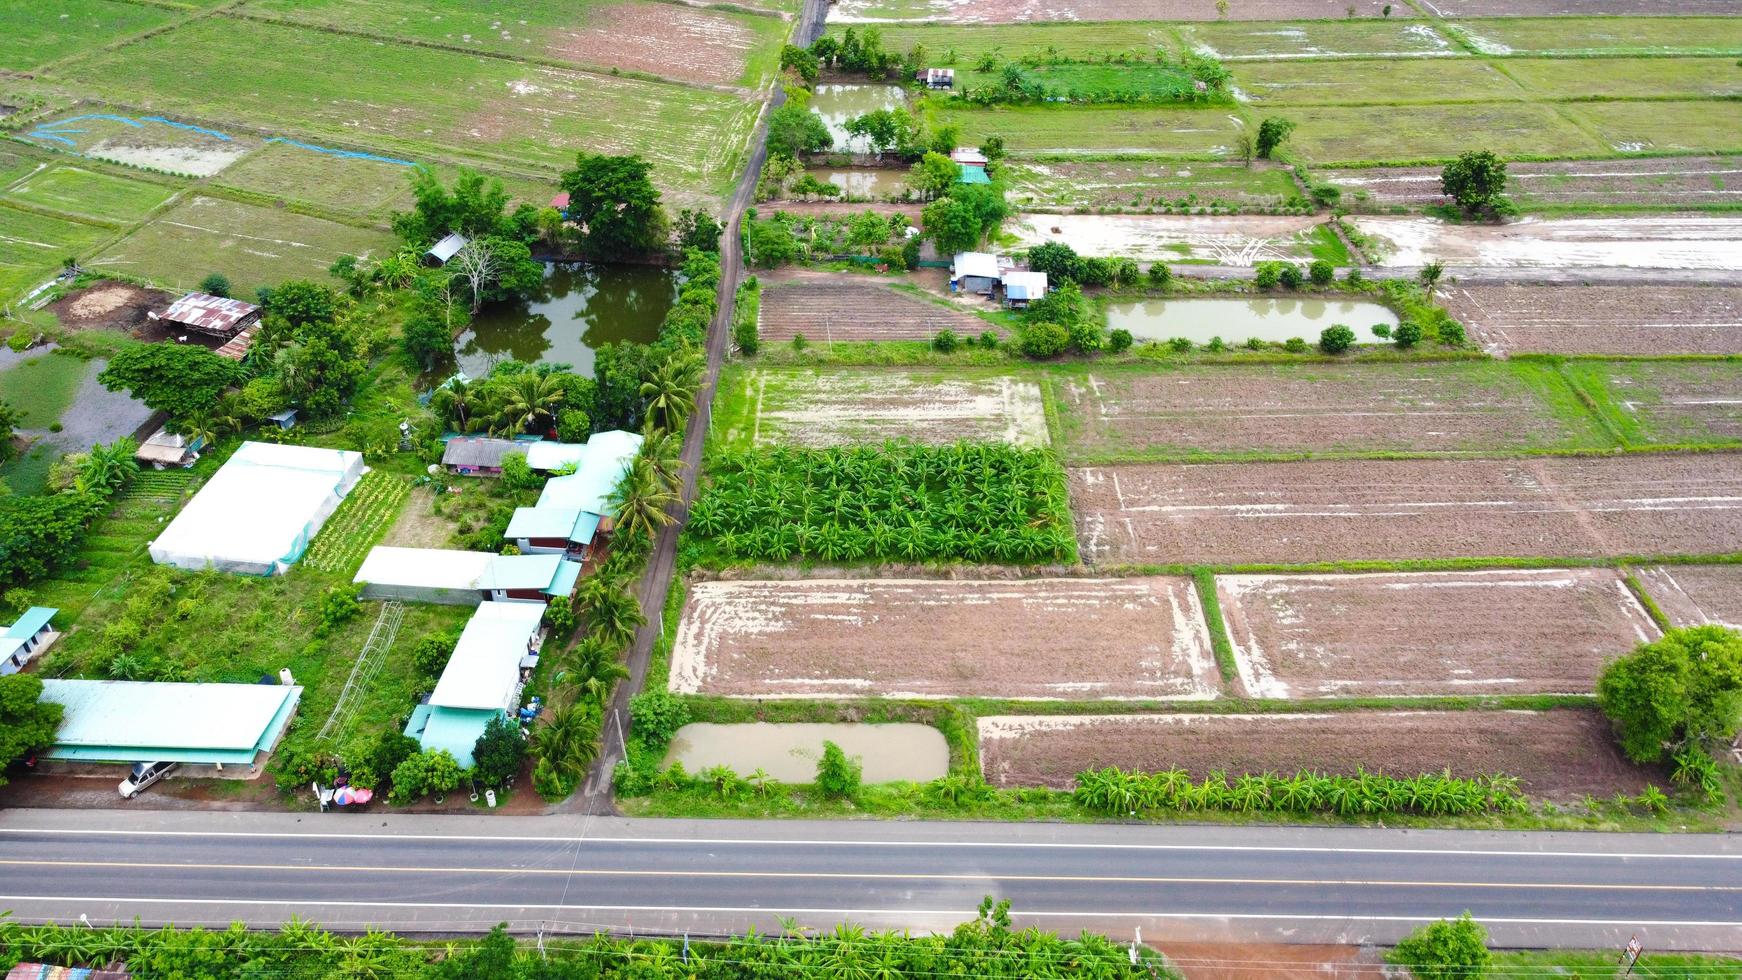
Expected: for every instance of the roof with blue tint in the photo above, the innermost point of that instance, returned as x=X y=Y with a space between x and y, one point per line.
x=1016 y=291
x=598 y=470
x=34 y=618
x=140 y=721
x=457 y=730
x=974 y=175
x=566 y=577
x=543 y=522
x=519 y=571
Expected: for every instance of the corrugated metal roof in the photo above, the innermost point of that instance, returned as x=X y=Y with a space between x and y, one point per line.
x=210 y=314
x=973 y=175
x=139 y=721
x=1033 y=284
x=608 y=456
x=979 y=264
x=963 y=154
x=485 y=667
x=34 y=618
x=478 y=451
x=447 y=248
x=520 y=571
x=568 y=575
x=434 y=568
x=555 y=455
x=544 y=522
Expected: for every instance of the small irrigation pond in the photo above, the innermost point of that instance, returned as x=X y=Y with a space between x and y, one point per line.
x=863 y=182
x=581 y=308
x=837 y=103
x=1237 y=319
x=788 y=752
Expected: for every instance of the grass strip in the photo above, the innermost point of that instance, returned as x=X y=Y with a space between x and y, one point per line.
x=1205 y=581
x=1652 y=609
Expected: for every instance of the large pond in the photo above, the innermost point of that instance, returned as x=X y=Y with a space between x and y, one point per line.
x=789 y=752
x=1236 y=320
x=863 y=181
x=581 y=308
x=839 y=103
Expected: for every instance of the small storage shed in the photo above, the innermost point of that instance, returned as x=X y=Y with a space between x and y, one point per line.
x=478 y=455
x=215 y=316
x=937 y=78
x=968 y=156
x=464 y=578
x=166 y=448
x=973 y=175
x=31 y=634
x=553 y=530
x=439 y=253
x=138 y=721
x=975 y=272
x=1023 y=287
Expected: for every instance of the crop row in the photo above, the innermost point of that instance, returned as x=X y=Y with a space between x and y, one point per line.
x=1116 y=791
x=358 y=523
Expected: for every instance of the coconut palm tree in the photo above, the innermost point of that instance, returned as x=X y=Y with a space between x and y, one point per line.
x=568 y=741
x=458 y=399
x=671 y=390
x=612 y=612
x=662 y=449
x=641 y=500
x=529 y=400
x=1430 y=275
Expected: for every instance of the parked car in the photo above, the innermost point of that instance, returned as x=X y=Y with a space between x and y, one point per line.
x=143 y=775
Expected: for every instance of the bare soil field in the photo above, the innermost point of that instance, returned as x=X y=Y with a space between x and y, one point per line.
x=1230 y=240
x=672 y=40
x=1574 y=8
x=1559 y=755
x=1668 y=182
x=1546 y=631
x=804 y=407
x=116 y=306
x=1446 y=407
x=1694 y=595
x=1647 y=242
x=1137 y=184
x=827 y=306
x=1335 y=510
x=1110 y=639
x=1016 y=11
x=1600 y=319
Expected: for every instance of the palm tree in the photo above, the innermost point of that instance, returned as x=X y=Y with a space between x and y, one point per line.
x=641 y=500
x=569 y=738
x=1430 y=275
x=459 y=399
x=229 y=414
x=529 y=399
x=199 y=428
x=662 y=448
x=613 y=614
x=671 y=390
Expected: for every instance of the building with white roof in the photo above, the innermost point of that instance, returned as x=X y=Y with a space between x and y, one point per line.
x=29 y=635
x=573 y=508
x=258 y=513
x=975 y=272
x=139 y=721
x=1022 y=287
x=464 y=578
x=482 y=679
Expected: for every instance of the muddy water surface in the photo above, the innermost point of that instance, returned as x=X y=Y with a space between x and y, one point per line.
x=1236 y=320
x=581 y=308
x=789 y=752
x=863 y=181
x=839 y=103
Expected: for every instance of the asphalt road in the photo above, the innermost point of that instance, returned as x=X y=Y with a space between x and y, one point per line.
x=585 y=873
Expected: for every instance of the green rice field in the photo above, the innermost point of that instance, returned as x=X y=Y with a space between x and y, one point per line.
x=1664 y=127
x=32 y=246
x=1199 y=132
x=38 y=32
x=1604 y=35
x=348 y=185
x=1665 y=402
x=1319 y=39
x=254 y=246
x=1138 y=184
x=967 y=42
x=1627 y=78
x=1333 y=134
x=487 y=108
x=1393 y=81
x=1139 y=82
x=89 y=194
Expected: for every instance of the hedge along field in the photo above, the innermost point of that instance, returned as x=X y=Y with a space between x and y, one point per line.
x=1012 y=41
x=1629 y=78
x=32 y=246
x=254 y=246
x=720 y=46
x=1668 y=127
x=365 y=515
x=1206 y=132
x=1395 y=81
x=1348 y=134
x=89 y=194
x=34 y=34
x=1604 y=35
x=483 y=107
x=1319 y=39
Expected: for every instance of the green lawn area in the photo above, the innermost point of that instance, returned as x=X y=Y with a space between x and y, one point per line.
x=1011 y=41
x=1665 y=126
x=1397 y=81
x=15 y=164
x=87 y=193
x=33 y=245
x=35 y=33
x=1348 y=134
x=1627 y=78
x=254 y=246
x=1318 y=38
x=347 y=185
x=42 y=387
x=1142 y=412
x=1665 y=402
x=489 y=109
x=1138 y=184
x=1204 y=132
x=1605 y=35
x=723 y=45
x=1602 y=964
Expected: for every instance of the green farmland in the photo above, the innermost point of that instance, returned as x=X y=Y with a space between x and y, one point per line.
x=1318 y=39
x=1665 y=402
x=33 y=245
x=89 y=194
x=1664 y=127
x=1371 y=82
x=1195 y=132
x=37 y=33
x=1627 y=78
x=1604 y=35
x=968 y=42
x=1136 y=184
x=1332 y=134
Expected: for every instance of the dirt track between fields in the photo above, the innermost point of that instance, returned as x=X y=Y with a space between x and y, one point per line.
x=1330 y=510
x=1429 y=633
x=1559 y=755
x=1600 y=319
x=1083 y=639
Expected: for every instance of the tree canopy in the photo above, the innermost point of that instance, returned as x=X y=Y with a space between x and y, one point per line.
x=1476 y=180
x=794 y=129
x=477 y=206
x=1450 y=949
x=181 y=379
x=1685 y=687
x=26 y=721
x=613 y=200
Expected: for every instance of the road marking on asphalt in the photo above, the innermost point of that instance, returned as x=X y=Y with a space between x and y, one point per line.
x=954 y=914
x=855 y=875
x=1449 y=850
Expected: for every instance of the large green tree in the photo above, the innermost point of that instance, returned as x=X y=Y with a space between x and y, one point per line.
x=1686 y=686
x=1450 y=949
x=951 y=224
x=26 y=721
x=1475 y=180
x=477 y=206
x=181 y=379
x=794 y=129
x=613 y=200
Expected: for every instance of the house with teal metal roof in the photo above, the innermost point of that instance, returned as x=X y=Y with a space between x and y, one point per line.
x=482 y=680
x=146 y=721
x=28 y=636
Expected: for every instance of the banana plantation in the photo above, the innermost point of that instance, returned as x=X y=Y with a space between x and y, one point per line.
x=1116 y=791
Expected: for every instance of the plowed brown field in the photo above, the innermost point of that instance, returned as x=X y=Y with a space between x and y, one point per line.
x=1694 y=595
x=1559 y=755
x=1328 y=510
x=1429 y=633
x=1122 y=639
x=1601 y=319
x=1665 y=181
x=827 y=306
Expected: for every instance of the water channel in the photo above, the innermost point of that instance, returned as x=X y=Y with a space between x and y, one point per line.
x=1237 y=319
x=581 y=308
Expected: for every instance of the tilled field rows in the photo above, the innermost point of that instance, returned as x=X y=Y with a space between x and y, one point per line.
x=1340 y=510
x=1562 y=755
x=1601 y=319
x=827 y=308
